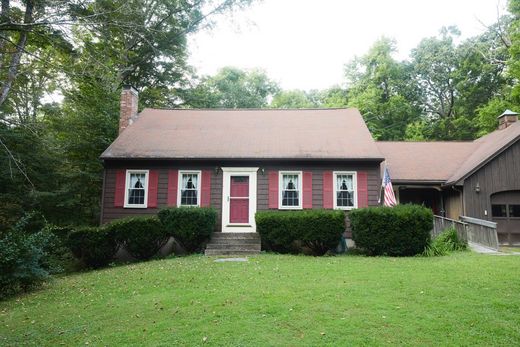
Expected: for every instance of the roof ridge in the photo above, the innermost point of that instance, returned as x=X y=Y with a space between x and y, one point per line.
x=250 y=109
x=433 y=141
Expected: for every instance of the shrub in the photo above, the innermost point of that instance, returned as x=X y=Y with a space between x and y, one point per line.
x=20 y=261
x=402 y=230
x=58 y=257
x=191 y=227
x=446 y=242
x=142 y=237
x=94 y=246
x=319 y=230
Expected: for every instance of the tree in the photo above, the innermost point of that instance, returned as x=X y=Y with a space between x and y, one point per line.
x=84 y=50
x=513 y=63
x=292 y=99
x=232 y=88
x=380 y=87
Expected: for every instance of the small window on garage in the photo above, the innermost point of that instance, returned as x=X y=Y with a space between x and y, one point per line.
x=514 y=210
x=499 y=210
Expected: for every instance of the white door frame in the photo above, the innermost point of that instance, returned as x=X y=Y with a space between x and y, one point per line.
x=228 y=172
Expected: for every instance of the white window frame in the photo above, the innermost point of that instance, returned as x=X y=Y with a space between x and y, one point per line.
x=179 y=186
x=354 y=188
x=280 y=190
x=145 y=186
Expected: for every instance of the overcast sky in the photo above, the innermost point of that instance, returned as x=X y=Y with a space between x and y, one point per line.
x=305 y=44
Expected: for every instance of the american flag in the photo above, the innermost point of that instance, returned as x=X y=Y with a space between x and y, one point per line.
x=389 y=190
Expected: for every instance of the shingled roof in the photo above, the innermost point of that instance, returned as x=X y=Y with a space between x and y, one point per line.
x=444 y=162
x=433 y=162
x=486 y=148
x=246 y=134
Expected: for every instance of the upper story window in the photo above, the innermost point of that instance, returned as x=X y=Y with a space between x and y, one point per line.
x=345 y=190
x=290 y=190
x=189 y=182
x=136 y=193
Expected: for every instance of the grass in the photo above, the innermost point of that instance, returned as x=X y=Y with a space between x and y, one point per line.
x=461 y=299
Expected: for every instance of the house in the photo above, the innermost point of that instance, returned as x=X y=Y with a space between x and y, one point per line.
x=243 y=161
x=479 y=179
x=239 y=162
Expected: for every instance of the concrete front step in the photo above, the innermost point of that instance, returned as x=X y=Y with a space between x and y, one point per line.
x=233 y=243
x=235 y=236
x=243 y=246
x=229 y=252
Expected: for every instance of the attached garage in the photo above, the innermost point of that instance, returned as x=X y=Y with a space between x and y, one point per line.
x=505 y=211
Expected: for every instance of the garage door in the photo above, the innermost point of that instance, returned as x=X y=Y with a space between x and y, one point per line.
x=505 y=211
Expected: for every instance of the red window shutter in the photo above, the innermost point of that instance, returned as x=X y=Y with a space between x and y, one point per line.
x=307 y=189
x=205 y=191
x=119 y=197
x=273 y=189
x=362 y=189
x=328 y=190
x=153 y=185
x=173 y=180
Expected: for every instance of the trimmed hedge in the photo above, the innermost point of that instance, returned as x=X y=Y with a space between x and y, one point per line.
x=319 y=230
x=142 y=237
x=190 y=227
x=94 y=246
x=403 y=230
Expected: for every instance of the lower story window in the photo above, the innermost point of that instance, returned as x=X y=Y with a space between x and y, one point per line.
x=290 y=191
x=345 y=190
x=499 y=210
x=136 y=188
x=189 y=188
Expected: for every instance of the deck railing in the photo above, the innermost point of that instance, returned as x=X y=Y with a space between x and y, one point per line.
x=469 y=229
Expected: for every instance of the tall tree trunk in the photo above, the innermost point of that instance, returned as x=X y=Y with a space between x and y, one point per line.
x=15 y=59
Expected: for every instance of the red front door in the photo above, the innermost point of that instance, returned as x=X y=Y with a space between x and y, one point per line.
x=239 y=200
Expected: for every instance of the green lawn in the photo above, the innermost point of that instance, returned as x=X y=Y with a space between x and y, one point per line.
x=463 y=299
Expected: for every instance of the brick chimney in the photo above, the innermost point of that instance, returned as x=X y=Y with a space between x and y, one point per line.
x=128 y=107
x=506 y=119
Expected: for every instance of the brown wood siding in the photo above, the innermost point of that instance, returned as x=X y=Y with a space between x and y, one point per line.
x=110 y=212
x=500 y=174
x=452 y=203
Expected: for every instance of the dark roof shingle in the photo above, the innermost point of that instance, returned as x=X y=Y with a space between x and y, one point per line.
x=243 y=134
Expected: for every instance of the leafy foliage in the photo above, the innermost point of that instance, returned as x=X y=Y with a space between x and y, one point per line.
x=319 y=230
x=21 y=259
x=232 y=88
x=142 y=237
x=403 y=230
x=94 y=246
x=380 y=87
x=190 y=227
x=448 y=241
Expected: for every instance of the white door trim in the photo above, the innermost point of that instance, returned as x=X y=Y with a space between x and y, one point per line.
x=228 y=172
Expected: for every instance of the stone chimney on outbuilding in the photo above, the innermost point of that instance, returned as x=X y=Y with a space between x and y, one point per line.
x=506 y=119
x=128 y=107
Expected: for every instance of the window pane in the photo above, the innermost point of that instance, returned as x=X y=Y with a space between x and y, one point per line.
x=498 y=210
x=345 y=199
x=344 y=191
x=137 y=180
x=290 y=198
x=514 y=210
x=290 y=182
x=189 y=189
x=290 y=191
x=136 y=196
x=136 y=188
x=189 y=197
x=344 y=182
